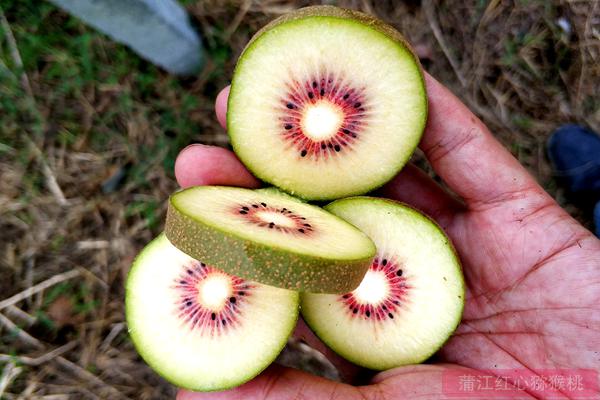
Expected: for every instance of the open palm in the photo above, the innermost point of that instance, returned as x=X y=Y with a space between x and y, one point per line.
x=532 y=272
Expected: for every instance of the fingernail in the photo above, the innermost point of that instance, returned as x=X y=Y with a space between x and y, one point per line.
x=193 y=145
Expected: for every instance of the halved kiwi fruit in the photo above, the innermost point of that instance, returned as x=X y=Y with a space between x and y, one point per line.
x=409 y=302
x=326 y=103
x=200 y=328
x=269 y=237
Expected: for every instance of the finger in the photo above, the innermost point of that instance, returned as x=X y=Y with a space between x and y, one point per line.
x=348 y=371
x=280 y=383
x=221 y=106
x=465 y=154
x=415 y=188
x=208 y=165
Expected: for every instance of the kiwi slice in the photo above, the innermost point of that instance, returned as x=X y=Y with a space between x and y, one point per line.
x=200 y=328
x=326 y=103
x=409 y=302
x=269 y=237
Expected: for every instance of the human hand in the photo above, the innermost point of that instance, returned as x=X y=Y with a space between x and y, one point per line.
x=532 y=271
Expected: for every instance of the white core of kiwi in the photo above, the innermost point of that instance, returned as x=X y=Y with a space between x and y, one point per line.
x=322 y=120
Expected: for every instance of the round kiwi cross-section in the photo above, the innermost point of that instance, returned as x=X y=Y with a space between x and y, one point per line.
x=269 y=237
x=326 y=103
x=200 y=328
x=409 y=302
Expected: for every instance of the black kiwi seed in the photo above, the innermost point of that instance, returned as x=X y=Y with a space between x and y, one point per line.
x=330 y=145
x=355 y=311
x=396 y=302
x=384 y=262
x=357 y=104
x=323 y=146
x=183 y=282
x=189 y=303
x=245 y=208
x=290 y=106
x=263 y=204
x=223 y=322
x=310 y=95
x=301 y=230
x=346 y=131
x=384 y=307
x=314 y=84
x=322 y=92
x=346 y=96
x=391 y=315
x=241 y=293
x=271 y=224
x=303 y=153
x=189 y=271
x=243 y=212
x=337 y=147
x=288 y=126
x=213 y=316
x=399 y=272
x=202 y=265
x=255 y=205
x=232 y=299
x=368 y=313
x=307 y=225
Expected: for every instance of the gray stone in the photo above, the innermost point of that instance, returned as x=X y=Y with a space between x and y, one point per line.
x=158 y=30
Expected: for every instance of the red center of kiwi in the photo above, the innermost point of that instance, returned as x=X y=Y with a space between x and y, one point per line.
x=203 y=309
x=274 y=218
x=301 y=97
x=389 y=304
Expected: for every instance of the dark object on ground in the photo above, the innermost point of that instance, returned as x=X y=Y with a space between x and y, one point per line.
x=597 y=218
x=575 y=155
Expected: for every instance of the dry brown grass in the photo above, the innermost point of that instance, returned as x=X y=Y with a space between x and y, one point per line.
x=66 y=245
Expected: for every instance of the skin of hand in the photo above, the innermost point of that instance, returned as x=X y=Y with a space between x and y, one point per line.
x=532 y=271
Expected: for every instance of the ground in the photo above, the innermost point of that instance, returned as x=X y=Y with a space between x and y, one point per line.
x=89 y=133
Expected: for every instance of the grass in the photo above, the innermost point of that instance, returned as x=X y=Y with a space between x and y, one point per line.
x=89 y=133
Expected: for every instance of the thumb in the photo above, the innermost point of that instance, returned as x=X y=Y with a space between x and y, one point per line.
x=280 y=383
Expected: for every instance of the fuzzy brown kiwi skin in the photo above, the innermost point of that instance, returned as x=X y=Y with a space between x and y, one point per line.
x=342 y=13
x=323 y=336
x=262 y=263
